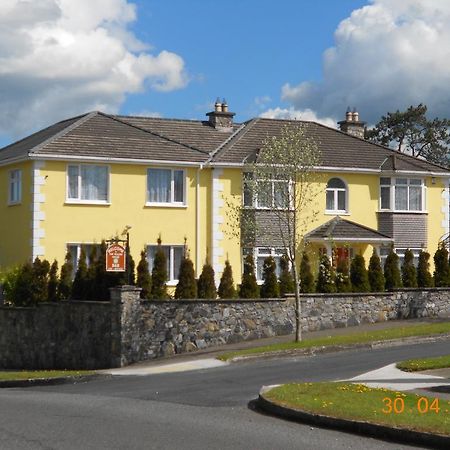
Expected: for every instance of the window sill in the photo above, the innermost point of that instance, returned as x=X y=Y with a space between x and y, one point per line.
x=401 y=211
x=165 y=205
x=87 y=202
x=172 y=283
x=336 y=213
x=14 y=203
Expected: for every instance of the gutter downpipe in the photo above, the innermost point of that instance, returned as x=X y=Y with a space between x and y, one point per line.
x=197 y=222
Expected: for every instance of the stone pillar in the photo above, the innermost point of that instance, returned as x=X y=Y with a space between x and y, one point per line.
x=124 y=302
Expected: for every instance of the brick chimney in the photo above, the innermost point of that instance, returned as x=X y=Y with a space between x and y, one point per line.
x=221 y=119
x=352 y=125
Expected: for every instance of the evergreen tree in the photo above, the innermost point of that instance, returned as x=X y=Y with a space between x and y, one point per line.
x=144 y=280
x=226 y=286
x=358 y=274
x=103 y=280
x=206 y=283
x=187 y=285
x=392 y=275
x=249 y=286
x=128 y=277
x=306 y=276
x=159 y=274
x=65 y=279
x=91 y=287
x=79 y=286
x=343 y=283
x=286 y=281
x=270 y=288
x=52 y=294
x=424 y=278
x=409 y=273
x=376 y=276
x=24 y=289
x=326 y=279
x=441 y=267
x=41 y=270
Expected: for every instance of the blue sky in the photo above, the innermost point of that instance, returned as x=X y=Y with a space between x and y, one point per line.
x=288 y=59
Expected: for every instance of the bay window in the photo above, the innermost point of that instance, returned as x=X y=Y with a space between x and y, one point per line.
x=402 y=194
x=87 y=183
x=166 y=186
x=271 y=193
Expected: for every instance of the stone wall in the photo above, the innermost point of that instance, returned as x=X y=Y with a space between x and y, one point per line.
x=111 y=334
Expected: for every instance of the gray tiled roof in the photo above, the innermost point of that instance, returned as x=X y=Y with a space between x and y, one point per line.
x=345 y=230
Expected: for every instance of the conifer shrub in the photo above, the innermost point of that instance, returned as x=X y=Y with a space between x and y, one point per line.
x=270 y=288
x=52 y=293
x=249 y=287
x=358 y=274
x=24 y=289
x=424 y=278
x=306 y=277
x=65 y=278
x=441 y=267
x=343 y=283
x=409 y=272
x=226 y=286
x=206 y=283
x=91 y=291
x=286 y=280
x=79 y=286
x=187 y=285
x=41 y=269
x=159 y=274
x=376 y=276
x=128 y=277
x=392 y=274
x=326 y=279
x=143 y=279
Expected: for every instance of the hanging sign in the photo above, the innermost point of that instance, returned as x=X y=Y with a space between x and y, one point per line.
x=115 y=258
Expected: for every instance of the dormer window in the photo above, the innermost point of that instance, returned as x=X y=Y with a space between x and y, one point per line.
x=336 y=196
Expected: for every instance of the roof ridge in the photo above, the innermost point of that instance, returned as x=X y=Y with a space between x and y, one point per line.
x=153 y=133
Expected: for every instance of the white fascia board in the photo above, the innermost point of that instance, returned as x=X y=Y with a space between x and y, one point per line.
x=368 y=241
x=393 y=173
x=15 y=160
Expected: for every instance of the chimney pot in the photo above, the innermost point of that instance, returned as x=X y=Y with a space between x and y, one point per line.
x=224 y=106
x=221 y=119
x=351 y=125
x=348 y=115
x=218 y=105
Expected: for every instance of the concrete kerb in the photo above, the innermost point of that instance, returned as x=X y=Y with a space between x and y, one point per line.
x=73 y=379
x=371 y=429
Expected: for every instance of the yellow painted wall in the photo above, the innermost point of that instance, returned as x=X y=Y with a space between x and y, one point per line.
x=15 y=220
x=435 y=203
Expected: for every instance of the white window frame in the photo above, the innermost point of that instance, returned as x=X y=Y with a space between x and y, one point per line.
x=78 y=200
x=336 y=191
x=78 y=246
x=274 y=252
x=400 y=252
x=172 y=203
x=392 y=192
x=171 y=281
x=273 y=182
x=15 y=187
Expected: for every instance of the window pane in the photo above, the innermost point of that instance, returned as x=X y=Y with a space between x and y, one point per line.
x=385 y=181
x=94 y=183
x=330 y=200
x=385 y=197
x=177 y=256
x=401 y=193
x=341 y=200
x=259 y=267
x=401 y=181
x=159 y=185
x=336 y=183
x=73 y=182
x=415 y=198
x=415 y=182
x=264 y=194
x=178 y=183
x=247 y=195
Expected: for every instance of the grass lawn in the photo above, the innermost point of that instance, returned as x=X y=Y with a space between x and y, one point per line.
x=348 y=339
x=359 y=402
x=32 y=374
x=414 y=365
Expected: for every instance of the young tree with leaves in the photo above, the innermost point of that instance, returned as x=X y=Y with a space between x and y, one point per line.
x=424 y=277
x=206 y=283
x=65 y=279
x=249 y=286
x=409 y=272
x=358 y=274
x=376 y=276
x=441 y=267
x=159 y=274
x=143 y=279
x=226 y=286
x=286 y=282
x=270 y=288
x=307 y=284
x=392 y=274
x=326 y=279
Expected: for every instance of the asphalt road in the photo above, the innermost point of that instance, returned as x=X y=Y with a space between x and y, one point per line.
x=205 y=409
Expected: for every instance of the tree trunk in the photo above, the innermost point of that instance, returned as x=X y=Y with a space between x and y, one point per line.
x=298 y=307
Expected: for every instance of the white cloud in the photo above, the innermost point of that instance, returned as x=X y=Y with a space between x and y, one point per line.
x=387 y=55
x=63 y=57
x=292 y=113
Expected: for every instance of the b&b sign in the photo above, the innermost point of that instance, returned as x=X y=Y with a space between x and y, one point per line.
x=115 y=258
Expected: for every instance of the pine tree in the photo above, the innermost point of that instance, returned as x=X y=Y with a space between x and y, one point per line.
x=306 y=277
x=52 y=293
x=270 y=288
x=343 y=283
x=249 y=286
x=392 y=275
x=65 y=279
x=40 y=280
x=409 y=272
x=24 y=289
x=159 y=274
x=79 y=288
x=441 y=267
x=226 y=286
x=286 y=281
x=187 y=285
x=326 y=279
x=90 y=285
x=424 y=278
x=206 y=283
x=144 y=280
x=358 y=274
x=376 y=276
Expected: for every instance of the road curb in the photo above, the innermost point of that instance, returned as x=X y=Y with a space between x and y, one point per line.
x=379 y=431
x=338 y=348
x=51 y=381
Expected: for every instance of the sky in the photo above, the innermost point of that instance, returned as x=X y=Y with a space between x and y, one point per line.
x=299 y=59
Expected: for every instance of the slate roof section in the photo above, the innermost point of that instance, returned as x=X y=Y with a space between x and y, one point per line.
x=339 y=229
x=338 y=149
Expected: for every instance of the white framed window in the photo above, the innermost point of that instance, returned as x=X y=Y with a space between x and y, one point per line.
x=75 y=252
x=166 y=187
x=15 y=187
x=272 y=193
x=260 y=254
x=87 y=183
x=336 y=196
x=174 y=255
x=402 y=194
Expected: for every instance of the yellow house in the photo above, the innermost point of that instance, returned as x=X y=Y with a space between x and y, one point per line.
x=90 y=177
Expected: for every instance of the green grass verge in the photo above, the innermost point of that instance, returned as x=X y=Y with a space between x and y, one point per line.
x=348 y=339
x=414 y=365
x=359 y=402
x=33 y=374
